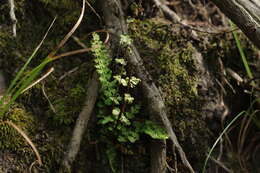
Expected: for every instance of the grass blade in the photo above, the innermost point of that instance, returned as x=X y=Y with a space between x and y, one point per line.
x=21 y=72
x=241 y=52
x=218 y=139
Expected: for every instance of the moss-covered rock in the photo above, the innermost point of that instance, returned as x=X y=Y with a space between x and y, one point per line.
x=10 y=139
x=169 y=57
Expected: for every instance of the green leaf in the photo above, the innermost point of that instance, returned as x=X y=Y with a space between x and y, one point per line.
x=108 y=102
x=124 y=120
x=120 y=61
x=124 y=82
x=116 y=111
x=122 y=138
x=132 y=136
x=125 y=40
x=154 y=131
x=115 y=100
x=106 y=120
x=135 y=109
x=128 y=98
x=117 y=78
x=129 y=115
x=134 y=81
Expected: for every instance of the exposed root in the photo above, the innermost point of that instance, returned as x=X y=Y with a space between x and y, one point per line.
x=221 y=165
x=176 y=19
x=81 y=125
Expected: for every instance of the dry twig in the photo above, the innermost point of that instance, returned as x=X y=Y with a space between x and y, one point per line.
x=12 y=16
x=28 y=140
x=39 y=80
x=176 y=19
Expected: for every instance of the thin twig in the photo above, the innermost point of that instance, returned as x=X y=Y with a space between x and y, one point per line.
x=68 y=73
x=28 y=140
x=46 y=96
x=12 y=16
x=31 y=166
x=79 y=42
x=94 y=11
x=74 y=52
x=170 y=168
x=65 y=39
x=39 y=80
x=221 y=165
x=176 y=19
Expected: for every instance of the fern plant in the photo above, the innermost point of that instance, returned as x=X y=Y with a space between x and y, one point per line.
x=117 y=110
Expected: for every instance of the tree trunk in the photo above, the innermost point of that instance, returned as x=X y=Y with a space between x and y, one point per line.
x=158 y=156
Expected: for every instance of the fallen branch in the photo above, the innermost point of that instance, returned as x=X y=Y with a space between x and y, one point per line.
x=114 y=19
x=245 y=14
x=80 y=125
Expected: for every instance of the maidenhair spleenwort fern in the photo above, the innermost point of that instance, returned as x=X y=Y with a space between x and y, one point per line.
x=117 y=109
x=118 y=113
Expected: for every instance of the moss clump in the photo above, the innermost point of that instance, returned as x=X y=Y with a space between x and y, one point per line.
x=10 y=139
x=67 y=108
x=168 y=57
x=66 y=94
x=61 y=3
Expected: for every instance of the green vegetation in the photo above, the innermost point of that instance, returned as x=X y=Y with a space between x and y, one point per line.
x=242 y=54
x=9 y=138
x=169 y=58
x=118 y=113
x=245 y=117
x=120 y=130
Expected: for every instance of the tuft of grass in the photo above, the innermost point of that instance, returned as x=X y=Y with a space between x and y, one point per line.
x=249 y=112
x=219 y=138
x=23 y=81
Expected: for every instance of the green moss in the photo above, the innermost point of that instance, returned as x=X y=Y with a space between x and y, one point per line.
x=10 y=139
x=67 y=97
x=60 y=3
x=169 y=58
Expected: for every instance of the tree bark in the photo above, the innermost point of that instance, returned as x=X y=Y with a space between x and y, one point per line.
x=245 y=14
x=158 y=156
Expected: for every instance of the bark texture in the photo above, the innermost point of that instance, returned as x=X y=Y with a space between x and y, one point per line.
x=158 y=156
x=245 y=14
